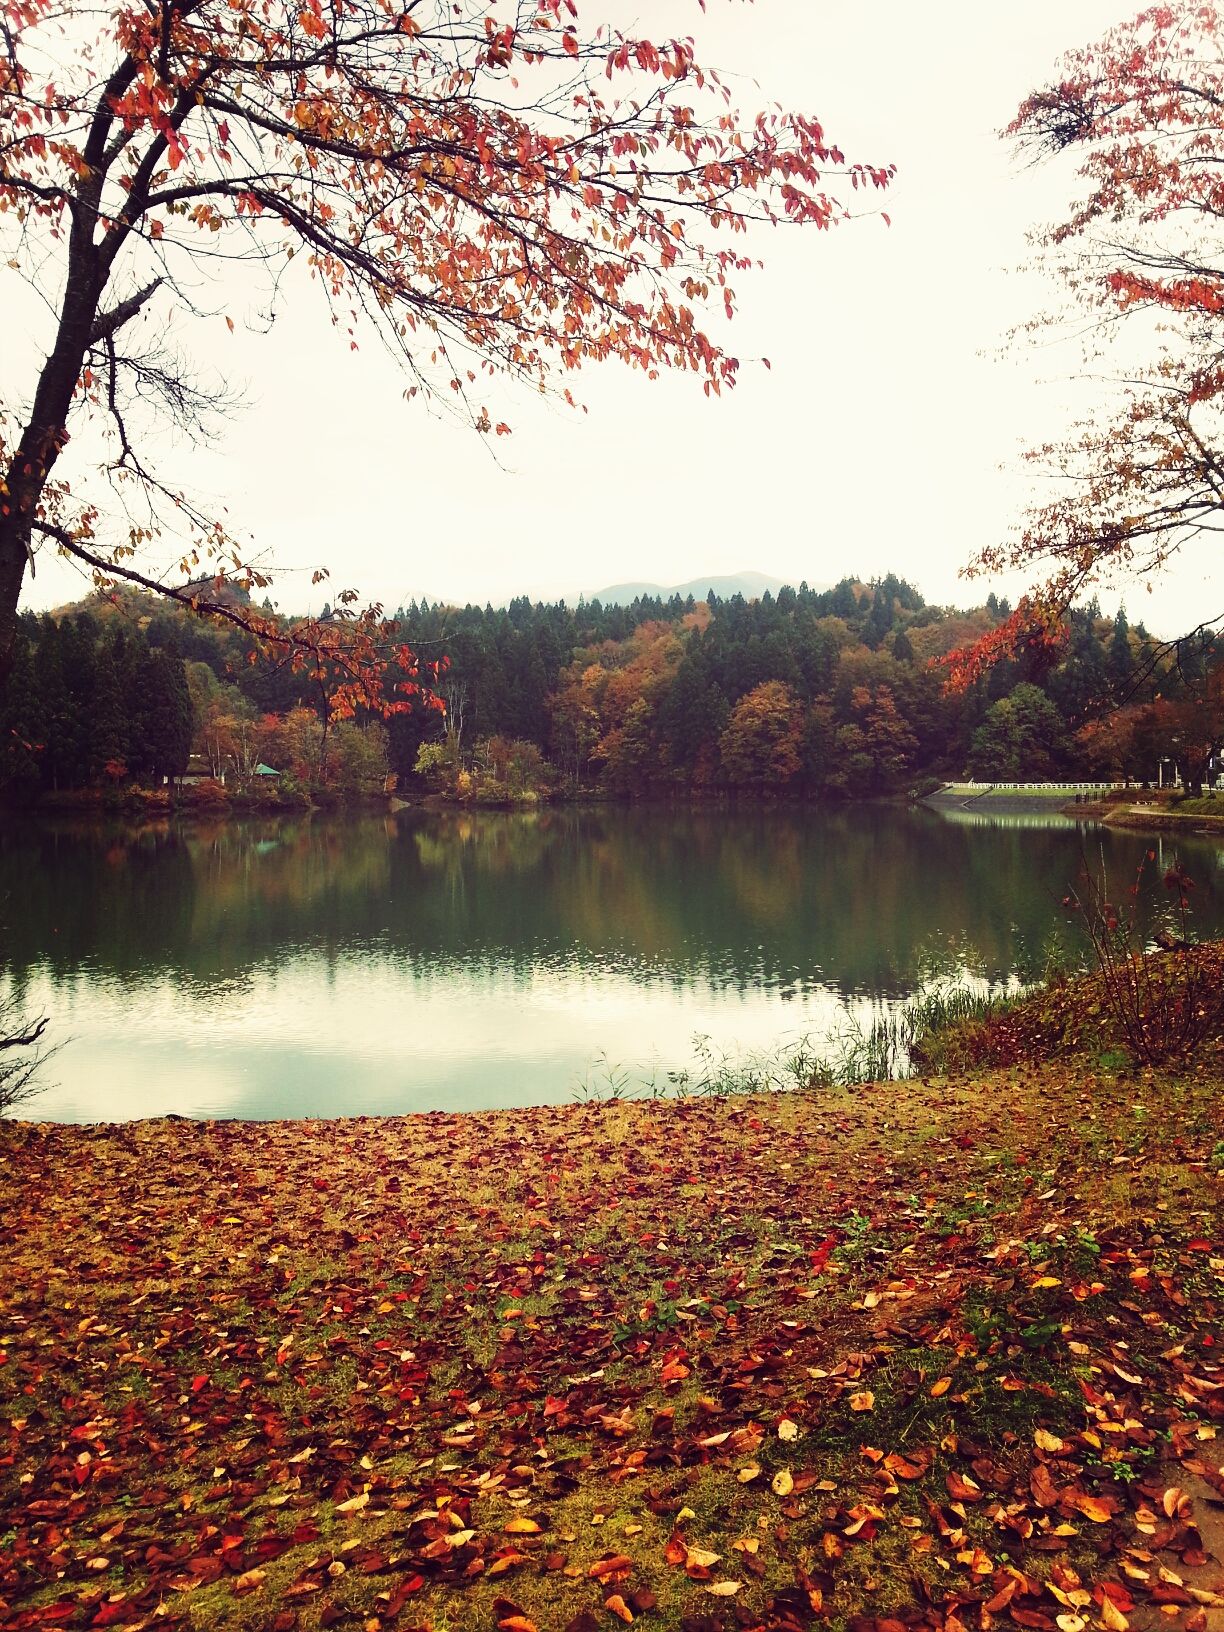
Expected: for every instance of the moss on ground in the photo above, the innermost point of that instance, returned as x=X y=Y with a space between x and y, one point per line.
x=887 y=1352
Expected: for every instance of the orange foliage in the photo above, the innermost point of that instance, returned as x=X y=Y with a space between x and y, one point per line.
x=1142 y=111
x=522 y=196
x=760 y=745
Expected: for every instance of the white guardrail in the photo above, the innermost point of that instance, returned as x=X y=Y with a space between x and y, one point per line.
x=1029 y=787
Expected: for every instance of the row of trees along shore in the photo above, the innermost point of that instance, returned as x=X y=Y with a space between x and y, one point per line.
x=834 y=692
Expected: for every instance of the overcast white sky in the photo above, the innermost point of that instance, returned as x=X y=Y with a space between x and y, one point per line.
x=886 y=436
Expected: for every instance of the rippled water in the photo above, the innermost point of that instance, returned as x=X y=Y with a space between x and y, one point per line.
x=360 y=965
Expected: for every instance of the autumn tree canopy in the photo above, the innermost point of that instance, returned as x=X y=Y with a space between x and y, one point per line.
x=1140 y=257
x=492 y=185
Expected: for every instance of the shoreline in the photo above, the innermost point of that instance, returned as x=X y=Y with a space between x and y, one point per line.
x=153 y=806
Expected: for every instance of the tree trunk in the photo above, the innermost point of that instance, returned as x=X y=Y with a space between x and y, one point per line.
x=13 y=559
x=41 y=442
x=45 y=431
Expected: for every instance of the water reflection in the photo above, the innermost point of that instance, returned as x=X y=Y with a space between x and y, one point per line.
x=309 y=967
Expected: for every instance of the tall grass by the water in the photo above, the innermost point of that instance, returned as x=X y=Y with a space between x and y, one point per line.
x=896 y=1045
x=890 y=1048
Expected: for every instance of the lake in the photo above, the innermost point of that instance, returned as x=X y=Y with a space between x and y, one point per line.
x=371 y=964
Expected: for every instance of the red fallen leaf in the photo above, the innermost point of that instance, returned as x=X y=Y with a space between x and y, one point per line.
x=1118 y=1595
x=613 y=1568
x=1032 y=1617
x=197 y=1383
x=205 y=1569
x=402 y=1592
x=961 y=1489
x=910 y=1467
x=676 y=1550
x=1045 y=1493
x=109 y=1613
x=517 y=1623
x=1199 y=1244
x=1164 y=1592
x=823 y=1252
x=321 y=1184
x=616 y=1605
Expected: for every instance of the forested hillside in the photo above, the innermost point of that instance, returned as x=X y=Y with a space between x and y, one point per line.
x=837 y=692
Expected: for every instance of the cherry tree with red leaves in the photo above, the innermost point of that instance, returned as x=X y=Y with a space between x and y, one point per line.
x=1140 y=255
x=491 y=185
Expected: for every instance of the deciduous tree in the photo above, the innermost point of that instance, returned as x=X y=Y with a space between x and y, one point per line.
x=1141 y=257
x=489 y=183
x=760 y=744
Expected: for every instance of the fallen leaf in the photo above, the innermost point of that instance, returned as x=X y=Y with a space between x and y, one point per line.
x=1111 y=1616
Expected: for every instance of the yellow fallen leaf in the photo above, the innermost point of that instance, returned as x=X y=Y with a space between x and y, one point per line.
x=1092 y=1507
x=617 y=1605
x=249 y=1580
x=787 y=1429
x=864 y=1400
x=354 y=1503
x=749 y=1472
x=724 y=1589
x=1111 y=1616
x=700 y=1558
x=522 y=1527
x=746 y=1544
x=1046 y=1441
x=783 y=1482
x=941 y=1387
x=1047 y=1280
x=506 y=1562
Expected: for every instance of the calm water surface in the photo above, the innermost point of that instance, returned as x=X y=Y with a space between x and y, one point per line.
x=325 y=967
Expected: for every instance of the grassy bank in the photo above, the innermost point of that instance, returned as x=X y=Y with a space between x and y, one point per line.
x=938 y=1354
x=1192 y=816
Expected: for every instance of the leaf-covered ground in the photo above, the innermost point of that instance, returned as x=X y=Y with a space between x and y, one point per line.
x=941 y=1354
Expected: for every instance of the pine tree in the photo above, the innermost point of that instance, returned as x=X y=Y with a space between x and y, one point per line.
x=108 y=719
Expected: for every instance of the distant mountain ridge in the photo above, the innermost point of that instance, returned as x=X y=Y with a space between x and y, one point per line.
x=751 y=585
